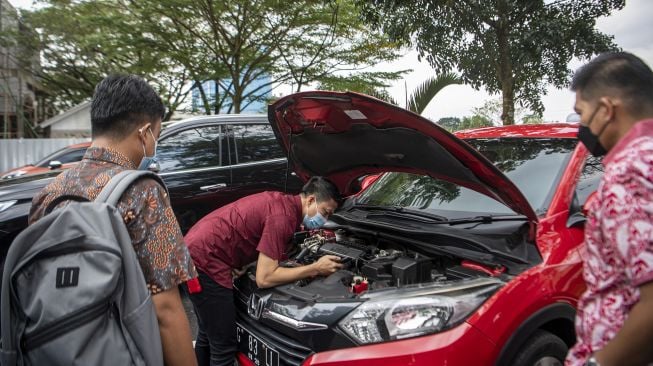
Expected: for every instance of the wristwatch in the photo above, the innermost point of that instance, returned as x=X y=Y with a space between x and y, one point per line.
x=592 y=362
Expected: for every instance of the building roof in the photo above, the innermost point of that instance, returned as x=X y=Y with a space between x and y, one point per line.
x=62 y=116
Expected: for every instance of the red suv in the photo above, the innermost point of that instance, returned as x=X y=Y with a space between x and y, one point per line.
x=465 y=251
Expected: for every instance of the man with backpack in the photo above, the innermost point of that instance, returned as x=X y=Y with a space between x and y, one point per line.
x=126 y=116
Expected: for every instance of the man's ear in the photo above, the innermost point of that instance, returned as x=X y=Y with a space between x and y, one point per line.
x=142 y=131
x=609 y=106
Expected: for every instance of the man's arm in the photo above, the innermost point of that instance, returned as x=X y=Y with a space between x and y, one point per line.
x=269 y=274
x=632 y=345
x=176 y=340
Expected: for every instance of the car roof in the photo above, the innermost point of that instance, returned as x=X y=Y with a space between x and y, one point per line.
x=81 y=144
x=221 y=118
x=544 y=130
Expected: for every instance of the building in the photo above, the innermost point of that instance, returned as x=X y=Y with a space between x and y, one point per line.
x=75 y=122
x=260 y=88
x=22 y=97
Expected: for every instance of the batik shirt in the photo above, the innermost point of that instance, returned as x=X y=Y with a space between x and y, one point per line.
x=619 y=243
x=145 y=207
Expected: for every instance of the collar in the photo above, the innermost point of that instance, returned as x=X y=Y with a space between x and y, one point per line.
x=108 y=155
x=641 y=128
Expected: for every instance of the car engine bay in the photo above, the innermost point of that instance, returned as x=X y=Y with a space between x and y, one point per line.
x=371 y=264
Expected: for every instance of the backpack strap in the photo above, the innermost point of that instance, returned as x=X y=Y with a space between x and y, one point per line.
x=55 y=202
x=113 y=191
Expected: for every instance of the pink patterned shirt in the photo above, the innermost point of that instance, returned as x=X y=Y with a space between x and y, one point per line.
x=619 y=242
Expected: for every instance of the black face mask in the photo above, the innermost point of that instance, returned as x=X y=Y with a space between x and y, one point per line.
x=590 y=140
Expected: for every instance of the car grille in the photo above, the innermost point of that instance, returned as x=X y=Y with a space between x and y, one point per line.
x=291 y=352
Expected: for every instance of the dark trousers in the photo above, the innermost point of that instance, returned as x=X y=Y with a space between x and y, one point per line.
x=216 y=317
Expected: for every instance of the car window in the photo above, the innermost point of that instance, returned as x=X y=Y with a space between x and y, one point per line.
x=71 y=157
x=534 y=165
x=589 y=178
x=193 y=148
x=254 y=142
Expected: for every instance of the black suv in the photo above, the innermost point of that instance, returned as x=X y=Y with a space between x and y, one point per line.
x=206 y=162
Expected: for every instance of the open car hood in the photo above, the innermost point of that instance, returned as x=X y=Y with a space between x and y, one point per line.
x=343 y=136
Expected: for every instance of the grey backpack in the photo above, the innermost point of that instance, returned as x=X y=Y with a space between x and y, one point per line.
x=73 y=292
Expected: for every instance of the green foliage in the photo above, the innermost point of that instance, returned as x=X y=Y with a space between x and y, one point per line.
x=425 y=92
x=474 y=121
x=178 y=44
x=370 y=83
x=532 y=119
x=449 y=123
x=513 y=47
x=81 y=42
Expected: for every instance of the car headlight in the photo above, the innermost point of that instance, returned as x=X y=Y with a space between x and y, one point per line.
x=385 y=320
x=6 y=204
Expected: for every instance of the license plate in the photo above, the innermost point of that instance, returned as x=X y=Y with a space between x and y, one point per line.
x=253 y=347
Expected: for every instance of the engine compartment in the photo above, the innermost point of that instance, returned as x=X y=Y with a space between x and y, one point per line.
x=370 y=264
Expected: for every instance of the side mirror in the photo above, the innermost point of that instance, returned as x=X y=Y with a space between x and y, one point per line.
x=578 y=213
x=55 y=164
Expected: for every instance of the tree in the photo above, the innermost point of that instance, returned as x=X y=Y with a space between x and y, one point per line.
x=474 y=121
x=298 y=42
x=449 y=123
x=425 y=92
x=81 y=42
x=509 y=46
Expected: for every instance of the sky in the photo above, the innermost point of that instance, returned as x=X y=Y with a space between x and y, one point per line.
x=631 y=27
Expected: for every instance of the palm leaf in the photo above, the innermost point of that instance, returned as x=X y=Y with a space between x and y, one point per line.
x=424 y=93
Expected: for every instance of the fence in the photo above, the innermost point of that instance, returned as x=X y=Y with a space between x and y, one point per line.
x=17 y=152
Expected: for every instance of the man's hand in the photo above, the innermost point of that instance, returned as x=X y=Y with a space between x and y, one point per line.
x=269 y=274
x=327 y=265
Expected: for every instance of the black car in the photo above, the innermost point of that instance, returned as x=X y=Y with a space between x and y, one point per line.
x=206 y=162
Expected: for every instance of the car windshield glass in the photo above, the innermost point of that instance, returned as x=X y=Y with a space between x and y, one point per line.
x=533 y=164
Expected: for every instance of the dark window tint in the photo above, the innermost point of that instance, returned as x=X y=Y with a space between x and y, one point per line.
x=193 y=148
x=254 y=142
x=589 y=178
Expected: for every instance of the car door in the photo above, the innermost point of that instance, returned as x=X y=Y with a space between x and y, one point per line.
x=257 y=161
x=194 y=170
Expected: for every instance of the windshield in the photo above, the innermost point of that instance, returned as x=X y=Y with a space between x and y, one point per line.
x=533 y=164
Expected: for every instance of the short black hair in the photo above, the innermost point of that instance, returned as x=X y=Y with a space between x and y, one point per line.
x=121 y=103
x=322 y=188
x=616 y=73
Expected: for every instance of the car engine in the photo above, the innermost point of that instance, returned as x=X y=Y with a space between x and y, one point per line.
x=368 y=264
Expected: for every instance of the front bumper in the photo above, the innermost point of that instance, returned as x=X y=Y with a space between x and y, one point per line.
x=463 y=345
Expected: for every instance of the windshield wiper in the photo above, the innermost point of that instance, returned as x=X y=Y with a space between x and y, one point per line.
x=401 y=212
x=486 y=219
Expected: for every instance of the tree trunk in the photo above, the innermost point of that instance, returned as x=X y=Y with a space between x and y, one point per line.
x=505 y=76
x=205 y=101
x=508 y=96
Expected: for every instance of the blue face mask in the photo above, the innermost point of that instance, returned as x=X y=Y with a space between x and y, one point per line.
x=314 y=222
x=150 y=162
